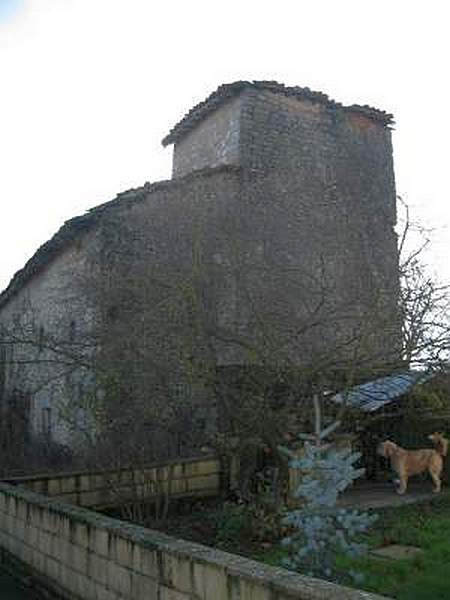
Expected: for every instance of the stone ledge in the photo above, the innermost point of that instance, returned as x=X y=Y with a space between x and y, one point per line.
x=233 y=569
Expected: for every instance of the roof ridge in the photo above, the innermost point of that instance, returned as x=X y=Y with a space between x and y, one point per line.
x=227 y=91
x=72 y=228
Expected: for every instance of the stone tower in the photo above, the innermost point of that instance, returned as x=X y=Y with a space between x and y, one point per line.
x=316 y=203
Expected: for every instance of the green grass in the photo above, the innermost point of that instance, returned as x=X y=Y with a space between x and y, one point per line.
x=424 y=525
x=426 y=577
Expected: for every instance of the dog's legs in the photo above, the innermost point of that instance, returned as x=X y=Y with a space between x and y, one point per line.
x=437 y=482
x=403 y=483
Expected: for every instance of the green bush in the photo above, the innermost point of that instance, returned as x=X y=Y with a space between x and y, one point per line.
x=247 y=523
x=233 y=523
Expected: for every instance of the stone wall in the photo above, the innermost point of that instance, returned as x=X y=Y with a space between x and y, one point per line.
x=314 y=217
x=199 y=477
x=213 y=143
x=128 y=270
x=47 y=363
x=82 y=555
x=318 y=181
x=169 y=289
x=285 y=253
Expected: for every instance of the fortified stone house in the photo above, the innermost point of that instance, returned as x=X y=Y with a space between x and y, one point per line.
x=273 y=241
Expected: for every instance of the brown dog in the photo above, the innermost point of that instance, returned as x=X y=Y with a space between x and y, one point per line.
x=440 y=442
x=413 y=462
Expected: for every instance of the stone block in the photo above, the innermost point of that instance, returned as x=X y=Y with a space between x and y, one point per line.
x=31 y=535
x=98 y=568
x=97 y=481
x=21 y=510
x=52 y=568
x=198 y=579
x=253 y=590
x=124 y=477
x=81 y=534
x=9 y=523
x=122 y=552
x=46 y=521
x=45 y=542
x=204 y=482
x=66 y=577
x=99 y=541
x=82 y=586
x=119 y=579
x=143 y=587
x=176 y=572
x=80 y=558
x=149 y=563
x=20 y=551
x=84 y=482
x=3 y=538
x=90 y=498
x=38 y=560
x=11 y=506
x=53 y=487
x=137 y=557
x=19 y=528
x=179 y=486
x=215 y=583
x=165 y=593
x=104 y=593
x=68 y=485
x=64 y=527
x=36 y=516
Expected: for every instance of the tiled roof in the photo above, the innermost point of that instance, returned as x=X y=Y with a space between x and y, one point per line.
x=69 y=232
x=231 y=90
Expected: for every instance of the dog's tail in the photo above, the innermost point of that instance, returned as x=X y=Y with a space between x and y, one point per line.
x=441 y=444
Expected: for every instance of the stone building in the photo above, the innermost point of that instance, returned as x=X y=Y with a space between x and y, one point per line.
x=273 y=243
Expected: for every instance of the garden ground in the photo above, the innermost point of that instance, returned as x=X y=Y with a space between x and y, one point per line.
x=426 y=576
x=419 y=519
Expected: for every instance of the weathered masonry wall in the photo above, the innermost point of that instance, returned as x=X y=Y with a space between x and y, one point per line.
x=188 y=478
x=214 y=142
x=53 y=309
x=315 y=214
x=84 y=556
x=326 y=176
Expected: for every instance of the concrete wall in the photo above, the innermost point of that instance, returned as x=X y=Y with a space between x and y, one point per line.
x=188 y=478
x=84 y=556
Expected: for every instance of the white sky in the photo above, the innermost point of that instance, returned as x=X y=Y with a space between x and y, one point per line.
x=88 y=88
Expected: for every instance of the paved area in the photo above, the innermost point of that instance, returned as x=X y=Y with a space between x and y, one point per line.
x=382 y=495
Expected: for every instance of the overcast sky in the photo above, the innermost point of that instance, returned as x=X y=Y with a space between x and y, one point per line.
x=88 y=88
